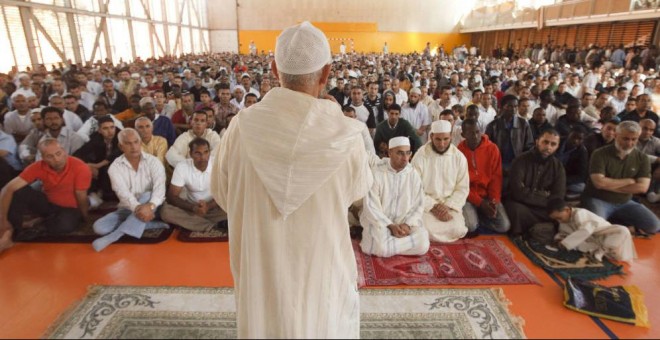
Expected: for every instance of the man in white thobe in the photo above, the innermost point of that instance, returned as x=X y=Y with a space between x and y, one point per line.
x=286 y=172
x=392 y=212
x=417 y=114
x=589 y=233
x=444 y=172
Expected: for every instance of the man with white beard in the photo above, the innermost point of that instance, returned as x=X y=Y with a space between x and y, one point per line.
x=617 y=172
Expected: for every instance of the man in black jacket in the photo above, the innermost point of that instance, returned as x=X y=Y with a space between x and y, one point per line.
x=535 y=178
x=99 y=152
x=115 y=99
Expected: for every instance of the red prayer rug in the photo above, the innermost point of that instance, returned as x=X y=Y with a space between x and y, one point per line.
x=465 y=262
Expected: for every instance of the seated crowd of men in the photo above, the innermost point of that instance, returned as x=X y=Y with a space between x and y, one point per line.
x=454 y=145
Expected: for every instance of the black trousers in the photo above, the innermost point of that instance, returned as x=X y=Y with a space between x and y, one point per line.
x=58 y=220
x=523 y=217
x=7 y=173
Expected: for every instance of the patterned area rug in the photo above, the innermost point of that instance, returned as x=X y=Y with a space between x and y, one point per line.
x=203 y=313
x=86 y=234
x=567 y=263
x=465 y=262
x=217 y=234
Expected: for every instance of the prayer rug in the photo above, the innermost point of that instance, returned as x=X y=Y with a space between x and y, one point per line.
x=567 y=263
x=86 y=234
x=121 y=312
x=465 y=262
x=217 y=234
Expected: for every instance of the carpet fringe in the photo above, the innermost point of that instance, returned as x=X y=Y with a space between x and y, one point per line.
x=517 y=321
x=528 y=272
x=92 y=291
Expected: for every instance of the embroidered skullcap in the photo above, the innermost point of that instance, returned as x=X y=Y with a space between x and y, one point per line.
x=441 y=126
x=416 y=90
x=399 y=141
x=302 y=49
x=22 y=75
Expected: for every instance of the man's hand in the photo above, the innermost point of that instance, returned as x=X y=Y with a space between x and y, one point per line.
x=201 y=208
x=420 y=131
x=399 y=230
x=144 y=213
x=489 y=208
x=94 y=170
x=441 y=212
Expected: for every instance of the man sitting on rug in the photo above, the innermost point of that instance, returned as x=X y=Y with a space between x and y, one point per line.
x=392 y=213
x=484 y=206
x=99 y=152
x=63 y=201
x=536 y=176
x=617 y=172
x=444 y=173
x=198 y=212
x=138 y=180
x=153 y=145
x=179 y=152
x=589 y=233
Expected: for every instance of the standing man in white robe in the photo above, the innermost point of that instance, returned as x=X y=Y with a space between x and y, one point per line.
x=286 y=172
x=589 y=233
x=392 y=213
x=444 y=172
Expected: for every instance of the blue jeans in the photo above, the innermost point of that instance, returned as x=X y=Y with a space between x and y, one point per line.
x=123 y=222
x=577 y=188
x=629 y=213
x=474 y=218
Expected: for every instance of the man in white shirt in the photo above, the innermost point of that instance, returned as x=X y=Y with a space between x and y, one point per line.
x=399 y=93
x=362 y=113
x=138 y=180
x=71 y=120
x=486 y=111
x=546 y=98
x=417 y=114
x=444 y=172
x=445 y=102
x=179 y=151
x=460 y=97
x=392 y=211
x=618 y=101
x=198 y=211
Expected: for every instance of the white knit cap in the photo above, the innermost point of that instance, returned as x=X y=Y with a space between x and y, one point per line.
x=302 y=49
x=399 y=141
x=416 y=90
x=441 y=126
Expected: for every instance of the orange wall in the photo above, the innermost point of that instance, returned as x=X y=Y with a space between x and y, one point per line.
x=398 y=42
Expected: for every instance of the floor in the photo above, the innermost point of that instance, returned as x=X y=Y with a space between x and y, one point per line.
x=40 y=281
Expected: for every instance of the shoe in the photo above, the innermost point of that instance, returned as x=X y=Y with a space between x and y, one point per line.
x=29 y=234
x=653 y=197
x=94 y=201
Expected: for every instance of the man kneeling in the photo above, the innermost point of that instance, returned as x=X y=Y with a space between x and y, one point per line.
x=138 y=180
x=198 y=212
x=589 y=233
x=392 y=213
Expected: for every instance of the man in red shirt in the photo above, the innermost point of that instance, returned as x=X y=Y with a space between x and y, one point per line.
x=484 y=205
x=63 y=202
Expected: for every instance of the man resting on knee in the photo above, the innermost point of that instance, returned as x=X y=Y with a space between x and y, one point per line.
x=198 y=211
x=138 y=180
x=63 y=202
x=392 y=212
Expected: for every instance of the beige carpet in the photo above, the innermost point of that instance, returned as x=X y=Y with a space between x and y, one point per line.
x=123 y=312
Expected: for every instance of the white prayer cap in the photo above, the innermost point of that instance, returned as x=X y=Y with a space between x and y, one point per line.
x=144 y=101
x=352 y=74
x=36 y=110
x=135 y=75
x=399 y=141
x=22 y=75
x=239 y=87
x=441 y=126
x=416 y=90
x=302 y=49
x=247 y=75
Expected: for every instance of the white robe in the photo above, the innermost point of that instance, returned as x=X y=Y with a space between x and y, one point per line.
x=395 y=198
x=446 y=180
x=286 y=172
x=590 y=233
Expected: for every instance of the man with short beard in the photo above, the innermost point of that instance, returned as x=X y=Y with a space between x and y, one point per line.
x=417 y=114
x=181 y=119
x=536 y=176
x=617 y=172
x=444 y=172
x=55 y=129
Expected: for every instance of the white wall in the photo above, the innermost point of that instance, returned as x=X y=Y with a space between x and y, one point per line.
x=224 y=41
x=423 y=16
